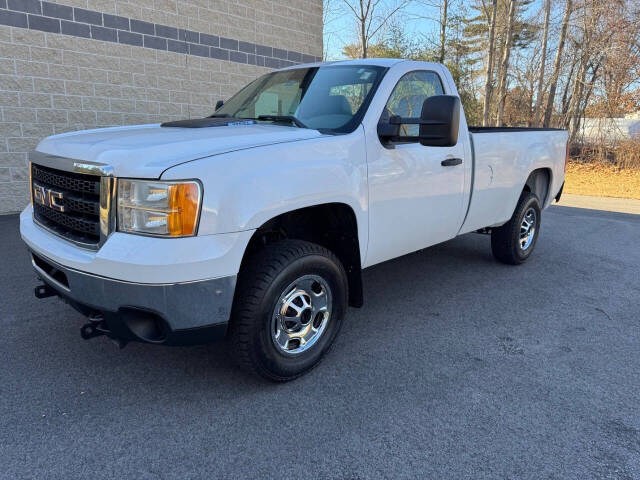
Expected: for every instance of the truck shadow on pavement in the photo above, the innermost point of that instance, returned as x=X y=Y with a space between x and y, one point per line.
x=414 y=307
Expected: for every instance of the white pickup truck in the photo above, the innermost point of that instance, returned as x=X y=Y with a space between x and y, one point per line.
x=255 y=223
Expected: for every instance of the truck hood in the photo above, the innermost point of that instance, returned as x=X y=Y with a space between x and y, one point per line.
x=145 y=151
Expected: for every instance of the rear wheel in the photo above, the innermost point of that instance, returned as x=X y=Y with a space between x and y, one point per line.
x=289 y=305
x=513 y=242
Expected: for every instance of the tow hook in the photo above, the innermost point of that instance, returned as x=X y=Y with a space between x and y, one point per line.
x=44 y=291
x=97 y=327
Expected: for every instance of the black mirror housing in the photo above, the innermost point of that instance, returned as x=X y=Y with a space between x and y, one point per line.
x=219 y=104
x=440 y=121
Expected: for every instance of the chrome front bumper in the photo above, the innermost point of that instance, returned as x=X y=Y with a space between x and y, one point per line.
x=182 y=306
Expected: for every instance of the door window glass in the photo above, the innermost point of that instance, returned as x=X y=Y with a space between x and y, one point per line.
x=408 y=96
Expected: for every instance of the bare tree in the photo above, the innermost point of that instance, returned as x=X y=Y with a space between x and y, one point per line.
x=600 y=22
x=556 y=65
x=326 y=20
x=595 y=45
x=370 y=19
x=543 y=61
x=444 y=8
x=443 y=29
x=488 y=85
x=566 y=95
x=504 y=63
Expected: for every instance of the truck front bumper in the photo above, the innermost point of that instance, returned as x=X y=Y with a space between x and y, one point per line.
x=172 y=313
x=172 y=291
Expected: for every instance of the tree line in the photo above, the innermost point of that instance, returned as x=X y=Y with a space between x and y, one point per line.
x=536 y=63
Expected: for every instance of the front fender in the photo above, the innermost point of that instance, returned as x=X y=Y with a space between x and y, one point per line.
x=245 y=189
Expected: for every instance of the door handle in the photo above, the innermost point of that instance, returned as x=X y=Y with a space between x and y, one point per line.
x=450 y=162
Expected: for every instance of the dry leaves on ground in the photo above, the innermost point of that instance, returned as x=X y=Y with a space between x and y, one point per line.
x=602 y=180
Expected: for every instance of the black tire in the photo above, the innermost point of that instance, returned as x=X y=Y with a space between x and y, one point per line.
x=261 y=283
x=505 y=240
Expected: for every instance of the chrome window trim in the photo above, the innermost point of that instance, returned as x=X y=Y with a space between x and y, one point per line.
x=107 y=212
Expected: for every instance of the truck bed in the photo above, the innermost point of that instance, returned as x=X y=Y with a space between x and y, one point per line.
x=503 y=160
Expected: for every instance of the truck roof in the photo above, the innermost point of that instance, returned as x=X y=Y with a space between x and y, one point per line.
x=380 y=62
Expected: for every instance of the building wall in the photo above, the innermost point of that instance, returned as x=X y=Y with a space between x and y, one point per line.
x=597 y=130
x=77 y=64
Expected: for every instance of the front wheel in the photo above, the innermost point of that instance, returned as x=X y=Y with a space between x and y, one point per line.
x=513 y=242
x=288 y=309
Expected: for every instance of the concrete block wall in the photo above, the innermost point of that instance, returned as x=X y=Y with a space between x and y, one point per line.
x=77 y=64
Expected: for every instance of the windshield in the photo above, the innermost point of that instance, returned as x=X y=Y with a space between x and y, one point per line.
x=329 y=98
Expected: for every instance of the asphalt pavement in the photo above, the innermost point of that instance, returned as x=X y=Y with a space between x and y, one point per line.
x=456 y=367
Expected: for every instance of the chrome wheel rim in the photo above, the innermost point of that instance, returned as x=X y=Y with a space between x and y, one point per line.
x=528 y=229
x=301 y=315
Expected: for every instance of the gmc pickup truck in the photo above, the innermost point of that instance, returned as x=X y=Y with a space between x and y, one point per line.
x=256 y=222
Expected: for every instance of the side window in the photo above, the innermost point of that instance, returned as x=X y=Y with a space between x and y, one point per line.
x=408 y=96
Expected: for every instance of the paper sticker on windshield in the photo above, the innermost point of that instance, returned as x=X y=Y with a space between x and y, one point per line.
x=244 y=122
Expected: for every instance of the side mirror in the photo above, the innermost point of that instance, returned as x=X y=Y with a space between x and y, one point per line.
x=439 y=123
x=219 y=104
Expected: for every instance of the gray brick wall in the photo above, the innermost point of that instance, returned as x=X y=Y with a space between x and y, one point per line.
x=77 y=64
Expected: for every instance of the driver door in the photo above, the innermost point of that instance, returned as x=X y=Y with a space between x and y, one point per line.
x=414 y=200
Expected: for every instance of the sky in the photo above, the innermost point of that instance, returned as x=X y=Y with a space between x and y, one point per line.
x=341 y=29
x=418 y=19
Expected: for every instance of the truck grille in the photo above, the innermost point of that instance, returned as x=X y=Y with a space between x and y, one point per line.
x=67 y=203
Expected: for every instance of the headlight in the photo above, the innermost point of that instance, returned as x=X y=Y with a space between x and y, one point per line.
x=166 y=209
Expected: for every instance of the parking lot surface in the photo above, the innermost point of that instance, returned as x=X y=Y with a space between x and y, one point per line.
x=456 y=367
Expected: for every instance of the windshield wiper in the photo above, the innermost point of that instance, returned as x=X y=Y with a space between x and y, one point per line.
x=219 y=115
x=283 y=118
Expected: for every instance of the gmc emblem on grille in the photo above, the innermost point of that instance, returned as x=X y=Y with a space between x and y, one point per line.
x=47 y=197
